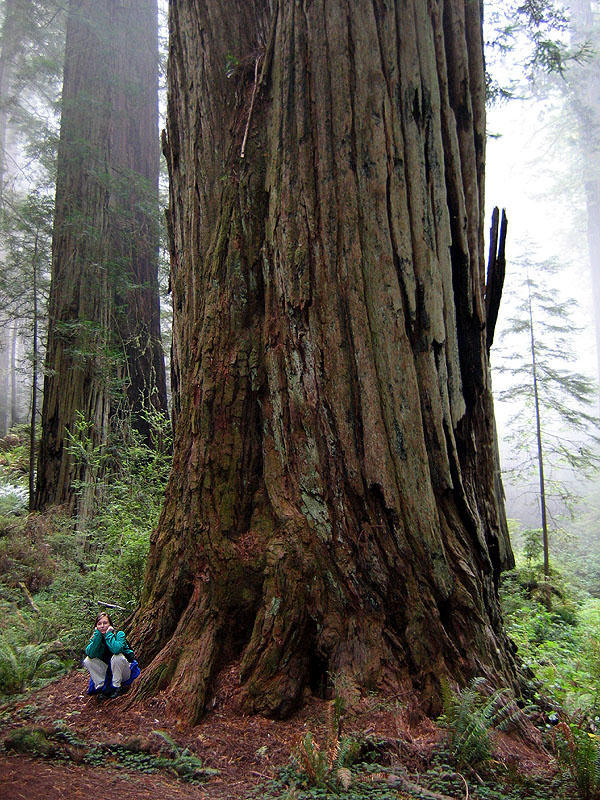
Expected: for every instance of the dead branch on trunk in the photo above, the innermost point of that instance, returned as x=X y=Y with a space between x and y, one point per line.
x=495 y=274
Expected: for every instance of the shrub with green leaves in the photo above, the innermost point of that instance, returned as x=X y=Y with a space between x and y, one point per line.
x=14 y=453
x=25 y=557
x=128 y=499
x=579 y=752
x=561 y=647
x=183 y=762
x=56 y=572
x=13 y=500
x=327 y=765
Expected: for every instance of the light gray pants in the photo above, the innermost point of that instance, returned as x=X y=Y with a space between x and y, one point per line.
x=121 y=671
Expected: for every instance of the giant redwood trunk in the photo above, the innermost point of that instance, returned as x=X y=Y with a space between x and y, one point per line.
x=331 y=508
x=104 y=353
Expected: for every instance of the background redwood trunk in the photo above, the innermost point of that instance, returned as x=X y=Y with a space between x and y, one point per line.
x=134 y=230
x=76 y=374
x=104 y=352
x=331 y=507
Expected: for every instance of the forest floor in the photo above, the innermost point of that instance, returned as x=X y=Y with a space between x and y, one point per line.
x=244 y=752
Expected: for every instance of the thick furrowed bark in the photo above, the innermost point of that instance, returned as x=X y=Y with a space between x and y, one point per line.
x=333 y=488
x=186 y=664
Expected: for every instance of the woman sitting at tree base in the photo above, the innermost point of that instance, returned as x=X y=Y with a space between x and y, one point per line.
x=109 y=660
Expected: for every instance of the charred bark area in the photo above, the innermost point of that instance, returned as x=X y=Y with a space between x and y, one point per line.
x=332 y=507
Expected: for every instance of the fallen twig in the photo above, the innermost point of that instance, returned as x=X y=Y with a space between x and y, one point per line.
x=29 y=597
x=110 y=605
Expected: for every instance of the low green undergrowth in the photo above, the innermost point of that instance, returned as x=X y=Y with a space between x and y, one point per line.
x=288 y=786
x=25 y=667
x=439 y=780
x=56 y=573
x=469 y=718
x=561 y=647
x=60 y=743
x=461 y=765
x=579 y=752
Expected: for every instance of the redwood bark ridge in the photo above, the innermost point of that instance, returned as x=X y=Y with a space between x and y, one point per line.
x=332 y=506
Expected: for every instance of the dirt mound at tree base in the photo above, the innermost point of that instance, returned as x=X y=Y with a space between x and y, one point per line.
x=244 y=751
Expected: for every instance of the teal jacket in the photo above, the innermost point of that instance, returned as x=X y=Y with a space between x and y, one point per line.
x=111 y=644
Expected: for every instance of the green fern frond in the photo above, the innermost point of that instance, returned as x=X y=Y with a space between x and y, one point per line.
x=348 y=752
x=313 y=760
x=470 y=715
x=19 y=666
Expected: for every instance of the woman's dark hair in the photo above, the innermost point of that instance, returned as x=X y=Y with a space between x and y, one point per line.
x=104 y=614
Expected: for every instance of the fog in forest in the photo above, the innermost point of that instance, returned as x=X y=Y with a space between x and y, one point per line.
x=535 y=172
x=542 y=167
